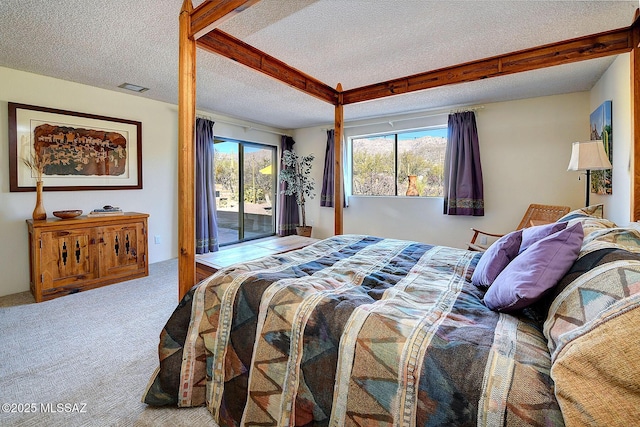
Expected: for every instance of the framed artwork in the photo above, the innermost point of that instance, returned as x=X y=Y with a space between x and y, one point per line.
x=78 y=151
x=600 y=121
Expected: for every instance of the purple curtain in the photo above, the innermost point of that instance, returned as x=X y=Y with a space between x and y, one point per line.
x=288 y=218
x=463 y=188
x=206 y=223
x=326 y=196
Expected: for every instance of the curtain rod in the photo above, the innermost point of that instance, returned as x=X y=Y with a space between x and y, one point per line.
x=424 y=116
x=246 y=128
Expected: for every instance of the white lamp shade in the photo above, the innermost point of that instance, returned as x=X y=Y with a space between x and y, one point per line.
x=588 y=155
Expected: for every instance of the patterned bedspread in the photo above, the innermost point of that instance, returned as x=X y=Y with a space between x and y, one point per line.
x=353 y=330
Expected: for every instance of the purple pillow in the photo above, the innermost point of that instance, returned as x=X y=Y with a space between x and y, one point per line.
x=530 y=235
x=538 y=269
x=496 y=258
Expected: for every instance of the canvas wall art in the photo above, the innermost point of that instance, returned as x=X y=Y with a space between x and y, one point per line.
x=600 y=120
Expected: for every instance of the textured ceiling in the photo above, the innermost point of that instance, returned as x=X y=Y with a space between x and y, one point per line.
x=352 y=42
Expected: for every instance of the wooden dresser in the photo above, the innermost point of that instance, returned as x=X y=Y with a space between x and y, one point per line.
x=71 y=255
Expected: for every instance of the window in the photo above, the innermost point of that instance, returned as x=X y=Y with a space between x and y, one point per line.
x=245 y=190
x=382 y=164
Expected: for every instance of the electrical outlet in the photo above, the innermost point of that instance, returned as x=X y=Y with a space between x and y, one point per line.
x=157 y=239
x=483 y=240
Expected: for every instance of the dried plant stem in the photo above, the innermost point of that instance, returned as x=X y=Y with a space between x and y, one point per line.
x=36 y=163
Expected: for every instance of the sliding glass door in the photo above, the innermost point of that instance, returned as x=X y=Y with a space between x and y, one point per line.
x=245 y=190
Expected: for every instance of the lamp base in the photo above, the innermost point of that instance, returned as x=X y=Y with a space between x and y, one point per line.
x=586 y=202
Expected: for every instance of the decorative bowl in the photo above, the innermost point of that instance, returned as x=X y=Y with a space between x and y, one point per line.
x=67 y=214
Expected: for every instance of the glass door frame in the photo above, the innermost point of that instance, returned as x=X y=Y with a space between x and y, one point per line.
x=242 y=145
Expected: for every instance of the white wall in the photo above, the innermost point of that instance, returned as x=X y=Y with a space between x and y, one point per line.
x=525 y=147
x=159 y=153
x=615 y=86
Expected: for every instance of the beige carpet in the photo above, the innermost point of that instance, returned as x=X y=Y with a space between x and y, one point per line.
x=85 y=359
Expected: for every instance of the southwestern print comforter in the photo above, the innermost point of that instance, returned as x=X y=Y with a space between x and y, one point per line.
x=353 y=330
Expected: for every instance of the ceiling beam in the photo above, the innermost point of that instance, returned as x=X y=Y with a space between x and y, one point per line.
x=211 y=14
x=579 y=49
x=564 y=52
x=219 y=42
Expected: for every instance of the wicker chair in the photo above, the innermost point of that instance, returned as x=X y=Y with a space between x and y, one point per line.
x=535 y=215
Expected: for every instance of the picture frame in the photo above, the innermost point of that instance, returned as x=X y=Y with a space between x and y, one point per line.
x=79 y=151
x=601 y=129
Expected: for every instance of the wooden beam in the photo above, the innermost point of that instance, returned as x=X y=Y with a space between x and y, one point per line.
x=186 y=154
x=564 y=52
x=338 y=186
x=635 y=120
x=219 y=42
x=579 y=49
x=210 y=14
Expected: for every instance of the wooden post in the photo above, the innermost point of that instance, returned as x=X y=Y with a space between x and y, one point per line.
x=338 y=186
x=186 y=154
x=635 y=119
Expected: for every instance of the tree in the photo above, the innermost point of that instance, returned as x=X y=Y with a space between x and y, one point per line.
x=373 y=173
x=226 y=166
x=256 y=183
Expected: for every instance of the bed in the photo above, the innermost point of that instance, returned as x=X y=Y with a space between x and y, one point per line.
x=198 y=29
x=361 y=330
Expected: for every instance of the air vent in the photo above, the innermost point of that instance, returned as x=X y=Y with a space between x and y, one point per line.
x=133 y=87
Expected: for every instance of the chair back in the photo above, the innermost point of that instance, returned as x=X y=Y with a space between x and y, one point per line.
x=542 y=214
